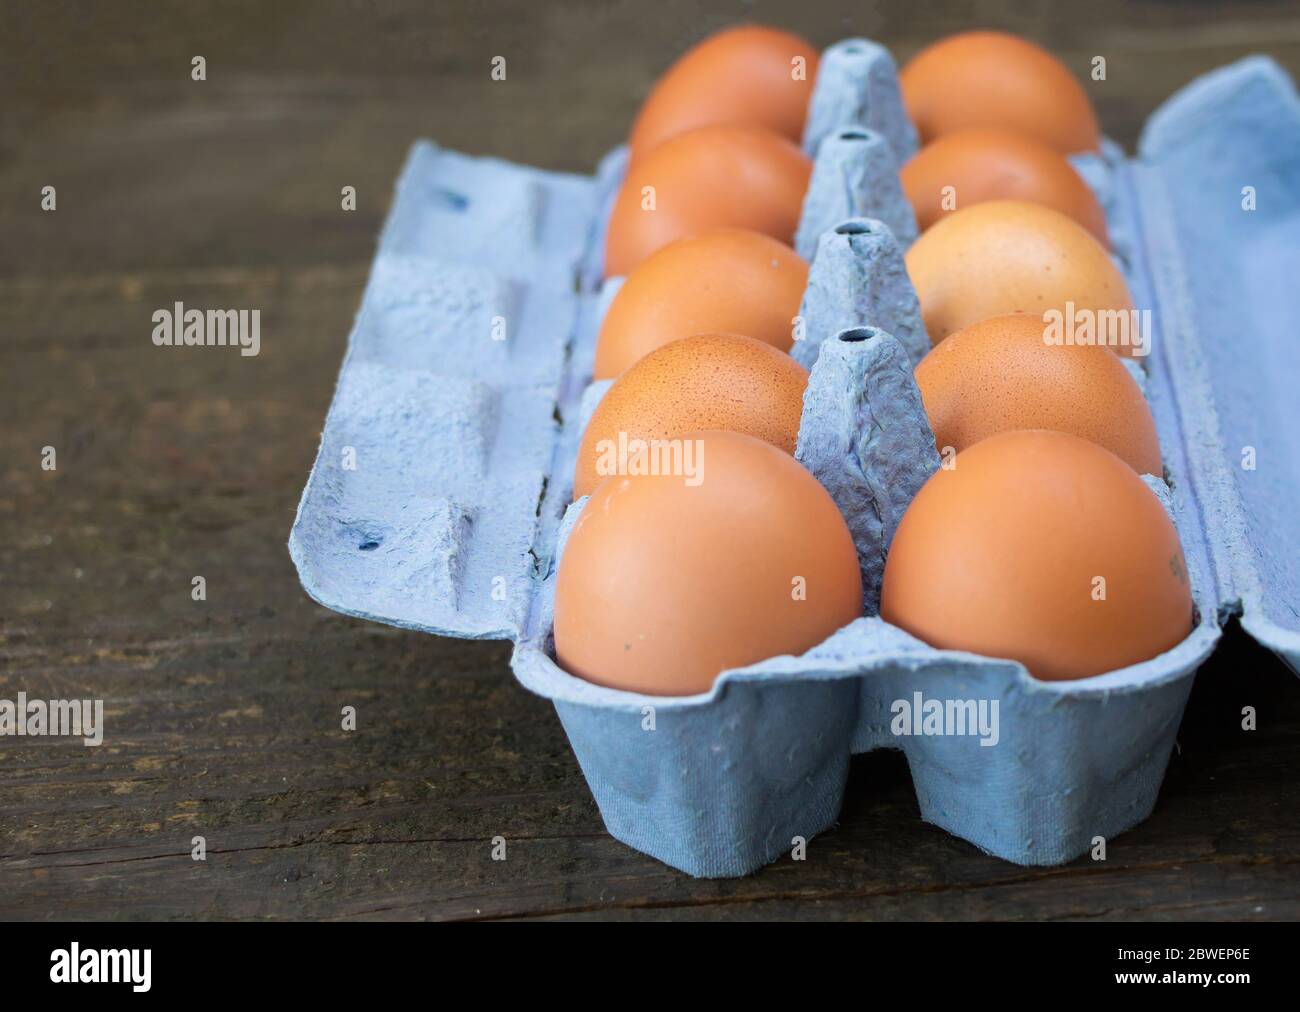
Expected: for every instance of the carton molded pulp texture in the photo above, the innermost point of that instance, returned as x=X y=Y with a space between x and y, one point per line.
x=439 y=500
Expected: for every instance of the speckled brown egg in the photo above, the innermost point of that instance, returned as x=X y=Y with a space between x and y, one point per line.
x=733 y=176
x=664 y=584
x=709 y=381
x=747 y=75
x=724 y=280
x=1000 y=374
x=992 y=79
x=968 y=167
x=1008 y=256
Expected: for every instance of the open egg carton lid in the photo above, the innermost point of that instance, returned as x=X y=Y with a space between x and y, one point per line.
x=1216 y=192
x=436 y=496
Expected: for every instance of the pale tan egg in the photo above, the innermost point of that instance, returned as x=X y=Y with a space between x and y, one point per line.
x=1007 y=256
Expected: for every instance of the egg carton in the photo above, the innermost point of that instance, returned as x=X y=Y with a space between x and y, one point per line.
x=440 y=496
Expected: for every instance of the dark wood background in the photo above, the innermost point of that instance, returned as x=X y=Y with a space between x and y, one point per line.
x=223 y=716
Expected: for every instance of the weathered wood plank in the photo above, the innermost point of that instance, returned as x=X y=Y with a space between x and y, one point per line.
x=223 y=716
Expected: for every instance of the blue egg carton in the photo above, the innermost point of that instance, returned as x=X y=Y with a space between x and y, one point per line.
x=440 y=496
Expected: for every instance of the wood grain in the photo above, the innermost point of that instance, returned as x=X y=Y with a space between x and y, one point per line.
x=224 y=715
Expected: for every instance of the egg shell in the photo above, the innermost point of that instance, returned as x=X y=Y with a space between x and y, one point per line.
x=1008 y=256
x=749 y=75
x=663 y=585
x=743 y=177
x=992 y=79
x=1002 y=555
x=708 y=381
x=728 y=280
x=989 y=163
x=1000 y=374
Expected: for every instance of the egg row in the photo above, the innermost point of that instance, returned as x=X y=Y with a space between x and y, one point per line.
x=706 y=546
x=716 y=142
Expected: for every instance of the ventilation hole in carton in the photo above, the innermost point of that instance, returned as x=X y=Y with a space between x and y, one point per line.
x=853 y=135
x=856 y=227
x=369 y=545
x=450 y=200
x=855 y=334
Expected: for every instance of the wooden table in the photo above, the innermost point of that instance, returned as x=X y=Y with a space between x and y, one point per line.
x=224 y=715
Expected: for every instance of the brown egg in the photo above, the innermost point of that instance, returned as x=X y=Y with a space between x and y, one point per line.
x=962 y=169
x=727 y=279
x=1043 y=548
x=991 y=79
x=664 y=584
x=999 y=374
x=708 y=381
x=742 y=177
x=1007 y=256
x=742 y=76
